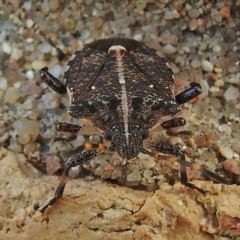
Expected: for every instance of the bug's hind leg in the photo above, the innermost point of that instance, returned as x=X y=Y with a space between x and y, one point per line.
x=188 y=94
x=171 y=150
x=52 y=82
x=69 y=128
x=172 y=123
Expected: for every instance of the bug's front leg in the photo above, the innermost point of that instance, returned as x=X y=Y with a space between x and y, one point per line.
x=52 y=82
x=188 y=94
x=172 y=123
x=86 y=153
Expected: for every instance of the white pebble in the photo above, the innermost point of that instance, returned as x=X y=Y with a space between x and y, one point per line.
x=3 y=83
x=56 y=71
x=29 y=74
x=16 y=53
x=225 y=128
x=214 y=89
x=38 y=64
x=6 y=48
x=205 y=87
x=74 y=171
x=29 y=40
x=226 y=152
x=195 y=63
x=207 y=66
x=169 y=49
x=29 y=23
x=45 y=47
x=217 y=48
x=231 y=93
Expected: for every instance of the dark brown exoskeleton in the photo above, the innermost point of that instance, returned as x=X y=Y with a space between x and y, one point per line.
x=124 y=89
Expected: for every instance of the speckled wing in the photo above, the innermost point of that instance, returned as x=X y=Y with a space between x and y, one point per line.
x=83 y=70
x=155 y=68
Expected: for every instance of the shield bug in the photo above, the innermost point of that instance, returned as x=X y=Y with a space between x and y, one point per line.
x=124 y=89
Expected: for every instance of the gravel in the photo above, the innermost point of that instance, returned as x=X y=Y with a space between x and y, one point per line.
x=201 y=39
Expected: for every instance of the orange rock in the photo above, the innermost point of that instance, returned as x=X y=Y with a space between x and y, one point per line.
x=225 y=12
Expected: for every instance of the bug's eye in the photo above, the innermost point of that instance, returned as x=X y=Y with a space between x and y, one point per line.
x=144 y=132
x=108 y=134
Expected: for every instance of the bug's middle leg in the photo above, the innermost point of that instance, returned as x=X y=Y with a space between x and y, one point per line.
x=69 y=128
x=172 y=123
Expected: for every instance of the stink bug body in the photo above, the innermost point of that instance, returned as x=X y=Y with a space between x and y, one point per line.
x=124 y=89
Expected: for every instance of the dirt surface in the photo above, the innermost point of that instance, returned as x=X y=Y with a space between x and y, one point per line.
x=100 y=210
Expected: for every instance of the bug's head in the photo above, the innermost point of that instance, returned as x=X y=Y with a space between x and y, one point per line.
x=127 y=139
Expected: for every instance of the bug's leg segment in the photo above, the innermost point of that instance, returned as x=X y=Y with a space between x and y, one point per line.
x=67 y=127
x=167 y=149
x=86 y=152
x=52 y=82
x=206 y=172
x=172 y=123
x=188 y=94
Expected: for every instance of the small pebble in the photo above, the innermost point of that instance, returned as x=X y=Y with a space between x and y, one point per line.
x=231 y=93
x=12 y=95
x=193 y=24
x=51 y=100
x=225 y=12
x=38 y=64
x=217 y=49
x=29 y=74
x=218 y=70
x=30 y=147
x=31 y=88
x=134 y=176
x=214 y=89
x=27 y=130
x=52 y=164
x=6 y=47
x=219 y=83
x=45 y=47
x=195 y=63
x=29 y=23
x=207 y=66
x=193 y=13
x=169 y=49
x=231 y=166
x=216 y=15
x=16 y=54
x=225 y=128
x=226 y=152
x=74 y=171
x=171 y=15
x=3 y=83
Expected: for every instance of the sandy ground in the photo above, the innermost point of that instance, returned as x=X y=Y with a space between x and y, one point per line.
x=99 y=210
